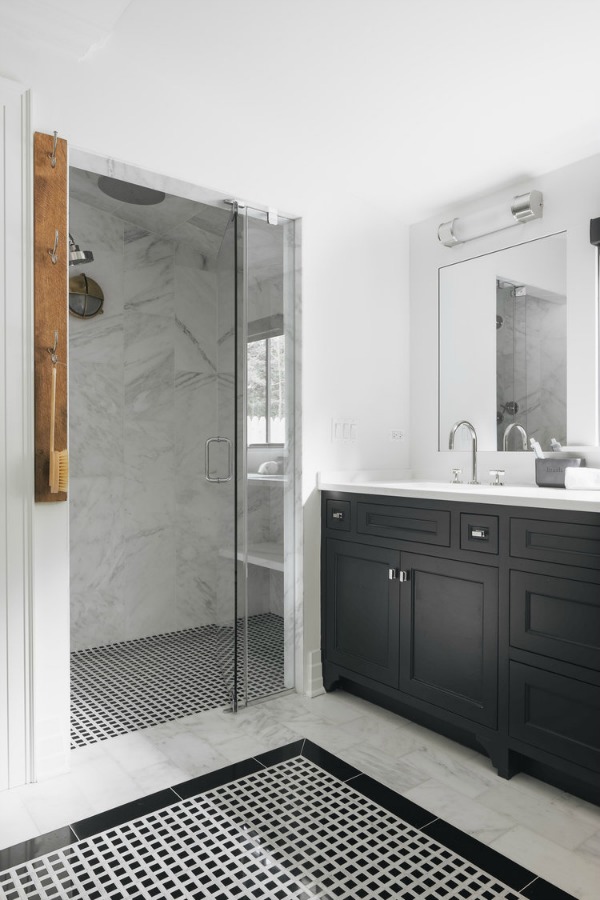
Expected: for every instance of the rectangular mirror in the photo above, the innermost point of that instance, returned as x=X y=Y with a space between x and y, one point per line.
x=502 y=345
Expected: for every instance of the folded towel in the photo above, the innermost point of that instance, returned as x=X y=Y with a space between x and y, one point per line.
x=585 y=479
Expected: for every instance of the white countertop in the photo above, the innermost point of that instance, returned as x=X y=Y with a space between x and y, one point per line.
x=505 y=495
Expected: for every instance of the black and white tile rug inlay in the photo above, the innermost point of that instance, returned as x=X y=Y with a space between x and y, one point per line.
x=288 y=830
x=134 y=684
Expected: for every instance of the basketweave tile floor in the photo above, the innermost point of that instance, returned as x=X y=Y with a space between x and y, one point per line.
x=298 y=824
x=543 y=830
x=122 y=687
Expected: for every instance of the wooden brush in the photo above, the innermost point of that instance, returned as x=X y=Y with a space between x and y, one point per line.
x=53 y=453
x=59 y=459
x=63 y=469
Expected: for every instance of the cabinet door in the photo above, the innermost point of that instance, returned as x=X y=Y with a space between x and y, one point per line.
x=363 y=610
x=449 y=636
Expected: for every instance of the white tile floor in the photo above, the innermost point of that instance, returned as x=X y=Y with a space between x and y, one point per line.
x=550 y=832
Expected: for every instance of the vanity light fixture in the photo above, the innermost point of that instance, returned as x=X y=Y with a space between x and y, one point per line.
x=523 y=208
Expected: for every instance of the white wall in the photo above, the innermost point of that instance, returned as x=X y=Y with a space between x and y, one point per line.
x=176 y=112
x=571 y=199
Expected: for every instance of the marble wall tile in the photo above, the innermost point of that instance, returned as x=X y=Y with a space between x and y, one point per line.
x=96 y=408
x=149 y=279
x=96 y=541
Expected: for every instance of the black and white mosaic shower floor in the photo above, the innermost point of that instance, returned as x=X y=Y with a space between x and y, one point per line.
x=299 y=825
x=134 y=684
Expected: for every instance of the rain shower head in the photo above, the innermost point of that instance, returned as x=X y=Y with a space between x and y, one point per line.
x=129 y=193
x=78 y=257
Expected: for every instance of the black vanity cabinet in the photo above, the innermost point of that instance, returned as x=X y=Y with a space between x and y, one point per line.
x=481 y=621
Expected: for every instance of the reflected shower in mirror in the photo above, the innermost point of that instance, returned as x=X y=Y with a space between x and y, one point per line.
x=502 y=345
x=531 y=351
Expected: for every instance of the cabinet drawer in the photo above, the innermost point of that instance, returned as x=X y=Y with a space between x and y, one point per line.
x=557 y=714
x=479 y=533
x=338 y=515
x=405 y=523
x=557 y=617
x=568 y=543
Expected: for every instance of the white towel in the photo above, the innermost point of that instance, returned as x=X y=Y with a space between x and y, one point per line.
x=583 y=479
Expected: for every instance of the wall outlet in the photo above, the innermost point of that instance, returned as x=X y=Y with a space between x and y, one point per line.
x=396 y=434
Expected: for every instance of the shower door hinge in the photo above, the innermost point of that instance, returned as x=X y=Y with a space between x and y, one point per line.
x=272 y=217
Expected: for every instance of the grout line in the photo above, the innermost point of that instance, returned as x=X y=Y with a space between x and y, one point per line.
x=264 y=765
x=427 y=824
x=529 y=883
x=179 y=797
x=352 y=777
x=75 y=833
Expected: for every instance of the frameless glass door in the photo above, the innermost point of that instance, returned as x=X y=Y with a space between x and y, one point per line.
x=225 y=461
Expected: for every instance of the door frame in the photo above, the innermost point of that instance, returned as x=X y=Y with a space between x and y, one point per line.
x=17 y=445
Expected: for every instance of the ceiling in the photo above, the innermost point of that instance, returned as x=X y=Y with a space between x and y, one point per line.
x=412 y=105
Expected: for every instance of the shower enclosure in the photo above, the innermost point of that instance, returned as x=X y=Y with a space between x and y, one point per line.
x=182 y=504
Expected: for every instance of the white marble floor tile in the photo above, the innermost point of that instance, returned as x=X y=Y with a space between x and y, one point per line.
x=565 y=868
x=56 y=802
x=16 y=822
x=187 y=751
x=395 y=772
x=484 y=824
x=590 y=850
x=461 y=769
x=547 y=811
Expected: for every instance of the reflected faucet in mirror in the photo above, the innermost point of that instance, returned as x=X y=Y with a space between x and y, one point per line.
x=516 y=427
x=473 y=434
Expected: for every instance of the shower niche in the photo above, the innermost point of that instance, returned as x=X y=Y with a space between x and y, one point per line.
x=182 y=484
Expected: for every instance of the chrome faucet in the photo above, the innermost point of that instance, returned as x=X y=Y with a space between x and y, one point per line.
x=508 y=430
x=473 y=433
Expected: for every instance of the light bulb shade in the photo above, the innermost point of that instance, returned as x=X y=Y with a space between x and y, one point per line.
x=523 y=208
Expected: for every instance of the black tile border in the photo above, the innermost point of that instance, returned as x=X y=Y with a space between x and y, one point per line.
x=543 y=890
x=210 y=780
x=37 y=846
x=395 y=803
x=118 y=815
x=490 y=861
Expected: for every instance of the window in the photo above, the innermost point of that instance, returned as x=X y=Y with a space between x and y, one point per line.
x=266 y=390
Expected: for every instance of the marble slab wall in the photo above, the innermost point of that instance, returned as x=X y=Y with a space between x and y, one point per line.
x=531 y=367
x=144 y=522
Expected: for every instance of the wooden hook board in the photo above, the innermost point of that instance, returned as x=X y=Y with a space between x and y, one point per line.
x=50 y=303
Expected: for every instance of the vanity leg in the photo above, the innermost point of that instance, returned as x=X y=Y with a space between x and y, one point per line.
x=330 y=678
x=503 y=759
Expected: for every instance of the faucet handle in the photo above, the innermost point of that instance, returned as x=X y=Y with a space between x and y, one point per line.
x=498 y=475
x=455 y=476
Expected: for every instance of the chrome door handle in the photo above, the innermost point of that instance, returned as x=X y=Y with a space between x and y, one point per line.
x=218 y=479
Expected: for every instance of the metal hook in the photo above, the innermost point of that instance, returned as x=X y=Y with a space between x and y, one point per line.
x=54 y=252
x=52 y=156
x=52 y=350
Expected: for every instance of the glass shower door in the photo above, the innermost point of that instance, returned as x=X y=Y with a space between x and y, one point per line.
x=225 y=461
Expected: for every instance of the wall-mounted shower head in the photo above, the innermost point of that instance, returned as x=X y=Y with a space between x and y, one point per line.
x=78 y=257
x=129 y=193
